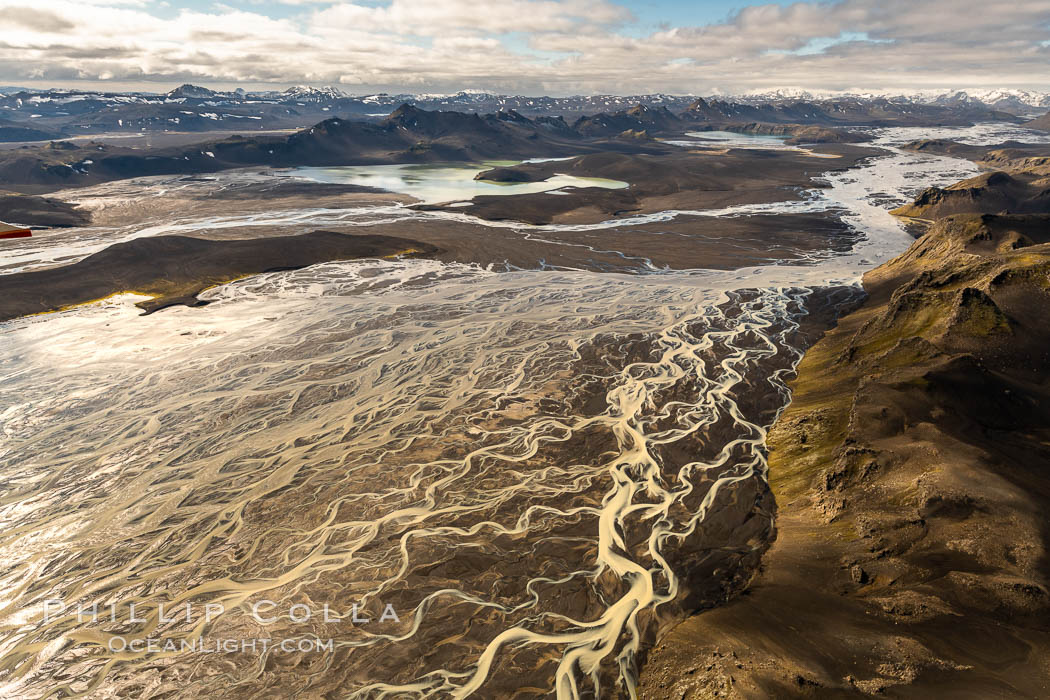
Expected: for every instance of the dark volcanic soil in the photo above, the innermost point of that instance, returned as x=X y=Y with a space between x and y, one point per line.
x=174 y=269
x=32 y=211
x=685 y=243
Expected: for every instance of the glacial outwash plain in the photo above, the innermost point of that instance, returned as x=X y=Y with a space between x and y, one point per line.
x=678 y=399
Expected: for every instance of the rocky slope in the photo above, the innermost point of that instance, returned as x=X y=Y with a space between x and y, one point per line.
x=1022 y=193
x=910 y=474
x=639 y=118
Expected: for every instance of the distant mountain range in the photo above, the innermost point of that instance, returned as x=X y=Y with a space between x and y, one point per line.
x=1014 y=101
x=58 y=114
x=407 y=135
x=410 y=134
x=1005 y=99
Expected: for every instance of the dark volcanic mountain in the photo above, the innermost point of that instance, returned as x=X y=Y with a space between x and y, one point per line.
x=193 y=108
x=638 y=118
x=720 y=111
x=408 y=135
x=999 y=192
x=194 y=92
x=413 y=135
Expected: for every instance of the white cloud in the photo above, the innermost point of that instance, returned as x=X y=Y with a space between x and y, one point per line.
x=428 y=18
x=531 y=46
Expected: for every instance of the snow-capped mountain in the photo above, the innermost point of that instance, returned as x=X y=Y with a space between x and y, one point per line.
x=311 y=94
x=195 y=108
x=1007 y=100
x=1016 y=101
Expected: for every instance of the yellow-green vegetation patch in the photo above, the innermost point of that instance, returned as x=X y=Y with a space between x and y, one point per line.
x=922 y=314
x=977 y=315
x=814 y=425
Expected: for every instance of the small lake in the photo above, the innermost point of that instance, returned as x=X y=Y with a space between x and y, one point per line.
x=445 y=182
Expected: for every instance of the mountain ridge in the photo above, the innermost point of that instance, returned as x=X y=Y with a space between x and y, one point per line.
x=196 y=108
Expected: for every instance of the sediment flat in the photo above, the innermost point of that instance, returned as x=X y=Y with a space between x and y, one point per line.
x=174 y=269
x=676 y=180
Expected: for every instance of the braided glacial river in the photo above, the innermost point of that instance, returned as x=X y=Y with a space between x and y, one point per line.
x=519 y=479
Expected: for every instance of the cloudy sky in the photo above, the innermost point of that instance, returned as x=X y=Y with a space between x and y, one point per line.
x=552 y=47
